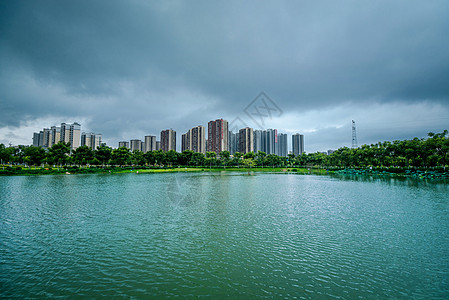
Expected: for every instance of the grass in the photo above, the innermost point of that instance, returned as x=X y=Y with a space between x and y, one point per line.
x=18 y=170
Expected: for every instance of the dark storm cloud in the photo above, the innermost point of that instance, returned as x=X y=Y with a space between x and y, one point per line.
x=120 y=62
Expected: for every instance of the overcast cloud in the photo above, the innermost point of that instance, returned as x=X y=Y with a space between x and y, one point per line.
x=132 y=68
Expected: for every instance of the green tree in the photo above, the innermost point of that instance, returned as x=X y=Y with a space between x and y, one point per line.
x=171 y=157
x=261 y=158
x=83 y=155
x=35 y=155
x=249 y=155
x=121 y=156
x=138 y=158
x=103 y=154
x=159 y=157
x=197 y=159
x=150 y=157
x=224 y=156
x=59 y=153
x=210 y=157
x=5 y=154
x=185 y=157
x=237 y=157
x=249 y=163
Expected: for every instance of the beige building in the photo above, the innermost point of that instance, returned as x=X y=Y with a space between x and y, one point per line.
x=55 y=134
x=135 y=145
x=68 y=133
x=195 y=140
x=150 y=143
x=123 y=144
x=91 y=140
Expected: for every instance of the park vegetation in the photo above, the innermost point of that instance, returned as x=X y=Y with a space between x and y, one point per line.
x=424 y=153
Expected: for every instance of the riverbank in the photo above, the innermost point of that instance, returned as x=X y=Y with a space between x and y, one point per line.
x=70 y=170
x=25 y=171
x=391 y=172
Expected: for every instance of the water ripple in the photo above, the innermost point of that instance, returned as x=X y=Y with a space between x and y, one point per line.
x=230 y=236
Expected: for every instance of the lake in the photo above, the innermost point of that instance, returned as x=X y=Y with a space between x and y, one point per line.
x=223 y=235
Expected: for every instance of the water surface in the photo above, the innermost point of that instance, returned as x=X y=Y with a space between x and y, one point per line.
x=223 y=235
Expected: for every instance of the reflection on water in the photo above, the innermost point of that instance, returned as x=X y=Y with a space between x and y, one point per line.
x=223 y=235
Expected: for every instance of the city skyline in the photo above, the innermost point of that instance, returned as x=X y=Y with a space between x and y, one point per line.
x=322 y=64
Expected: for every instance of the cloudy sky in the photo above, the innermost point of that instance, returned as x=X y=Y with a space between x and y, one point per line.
x=131 y=68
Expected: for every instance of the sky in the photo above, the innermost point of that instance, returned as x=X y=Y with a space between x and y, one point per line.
x=132 y=68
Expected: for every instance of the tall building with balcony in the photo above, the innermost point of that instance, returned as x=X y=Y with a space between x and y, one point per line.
x=123 y=144
x=168 y=140
x=149 y=143
x=68 y=133
x=36 y=137
x=258 y=141
x=233 y=142
x=194 y=139
x=55 y=135
x=282 y=144
x=135 y=145
x=47 y=139
x=91 y=140
x=75 y=135
x=270 y=141
x=217 y=136
x=65 y=133
x=246 y=140
x=298 y=144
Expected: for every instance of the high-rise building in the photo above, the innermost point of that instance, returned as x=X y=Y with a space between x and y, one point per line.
x=246 y=140
x=65 y=133
x=233 y=142
x=282 y=144
x=298 y=144
x=168 y=140
x=68 y=133
x=55 y=135
x=75 y=135
x=258 y=141
x=47 y=139
x=217 y=136
x=150 y=143
x=270 y=140
x=135 y=145
x=123 y=144
x=91 y=140
x=195 y=140
x=158 y=145
x=71 y=133
x=36 y=137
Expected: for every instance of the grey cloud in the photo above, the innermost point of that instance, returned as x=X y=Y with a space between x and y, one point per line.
x=118 y=61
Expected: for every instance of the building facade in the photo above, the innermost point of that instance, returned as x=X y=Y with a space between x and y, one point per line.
x=246 y=140
x=282 y=144
x=168 y=140
x=135 y=145
x=123 y=144
x=217 y=136
x=149 y=143
x=91 y=140
x=194 y=139
x=298 y=144
x=233 y=142
x=68 y=133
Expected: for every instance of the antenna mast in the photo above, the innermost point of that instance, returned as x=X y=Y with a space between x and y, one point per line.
x=354 y=135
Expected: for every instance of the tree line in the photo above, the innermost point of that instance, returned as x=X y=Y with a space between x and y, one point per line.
x=420 y=153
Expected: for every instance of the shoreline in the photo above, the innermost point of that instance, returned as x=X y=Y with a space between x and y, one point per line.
x=75 y=170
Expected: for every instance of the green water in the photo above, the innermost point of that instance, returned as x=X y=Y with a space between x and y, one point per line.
x=223 y=236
